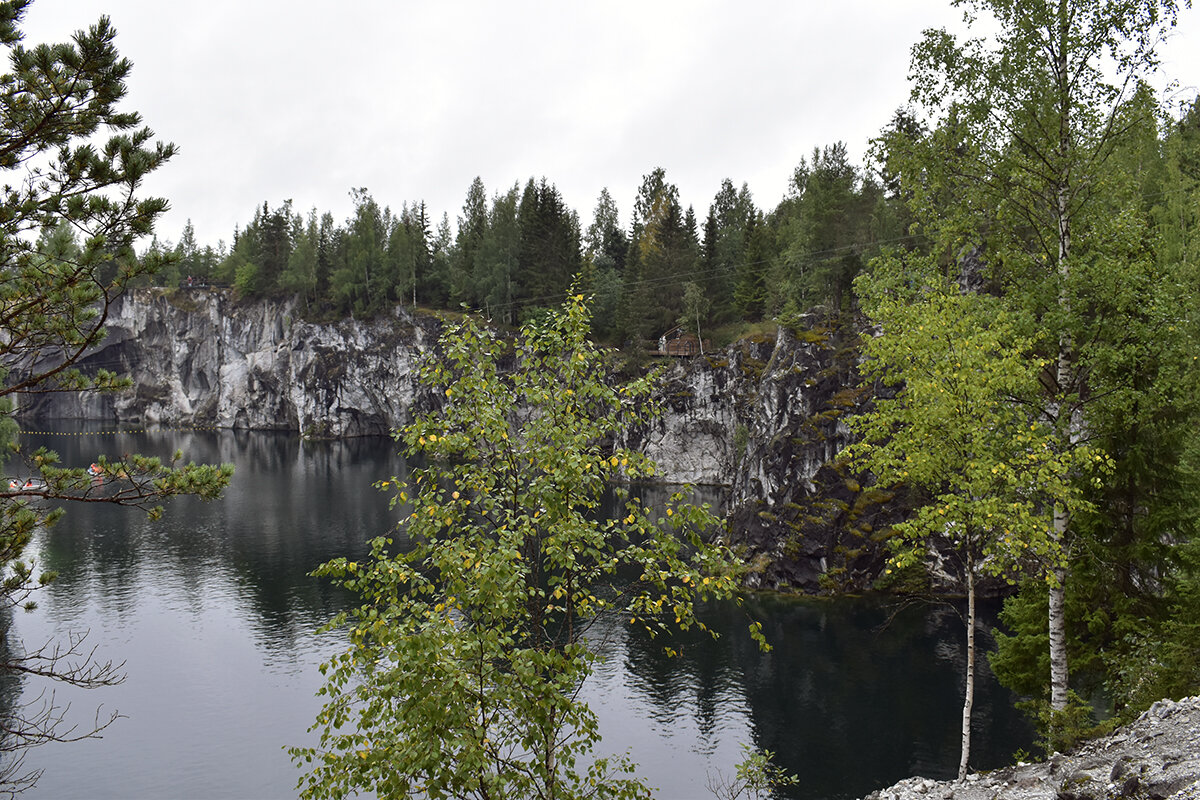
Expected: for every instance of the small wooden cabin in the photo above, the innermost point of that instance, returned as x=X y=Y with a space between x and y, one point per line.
x=677 y=342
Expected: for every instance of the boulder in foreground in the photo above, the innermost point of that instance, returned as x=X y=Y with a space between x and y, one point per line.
x=1157 y=757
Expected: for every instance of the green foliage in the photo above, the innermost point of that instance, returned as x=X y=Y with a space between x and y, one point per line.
x=498 y=266
x=663 y=254
x=247 y=279
x=1023 y=173
x=1059 y=731
x=549 y=255
x=300 y=276
x=953 y=428
x=466 y=656
x=519 y=250
x=750 y=273
x=1161 y=658
x=1022 y=660
x=756 y=778
x=992 y=473
x=74 y=165
x=824 y=231
x=725 y=248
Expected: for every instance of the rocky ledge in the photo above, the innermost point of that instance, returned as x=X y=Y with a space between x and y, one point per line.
x=1155 y=758
x=763 y=418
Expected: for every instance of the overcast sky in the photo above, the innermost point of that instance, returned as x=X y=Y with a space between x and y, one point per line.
x=271 y=100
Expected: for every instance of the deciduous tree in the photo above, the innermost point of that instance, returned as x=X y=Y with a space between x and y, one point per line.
x=952 y=427
x=466 y=656
x=1017 y=170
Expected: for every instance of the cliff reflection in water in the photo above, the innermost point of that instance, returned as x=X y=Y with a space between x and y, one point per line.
x=214 y=612
x=292 y=505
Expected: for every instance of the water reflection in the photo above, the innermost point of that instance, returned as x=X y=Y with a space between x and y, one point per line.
x=292 y=506
x=214 y=612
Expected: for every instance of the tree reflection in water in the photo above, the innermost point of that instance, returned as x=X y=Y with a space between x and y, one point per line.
x=213 y=610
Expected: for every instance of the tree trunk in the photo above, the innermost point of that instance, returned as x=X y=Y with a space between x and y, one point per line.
x=1058 y=641
x=1065 y=377
x=969 y=696
x=1070 y=427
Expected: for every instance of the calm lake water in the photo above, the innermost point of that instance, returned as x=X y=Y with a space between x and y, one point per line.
x=213 y=613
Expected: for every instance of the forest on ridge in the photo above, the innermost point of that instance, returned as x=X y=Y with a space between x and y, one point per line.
x=513 y=253
x=1017 y=260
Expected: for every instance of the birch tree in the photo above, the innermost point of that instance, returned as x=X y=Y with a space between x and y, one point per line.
x=1018 y=170
x=951 y=427
x=467 y=654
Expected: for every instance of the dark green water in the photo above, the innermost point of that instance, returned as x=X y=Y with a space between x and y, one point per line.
x=213 y=613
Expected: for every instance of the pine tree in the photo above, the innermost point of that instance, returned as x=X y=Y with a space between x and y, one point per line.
x=74 y=164
x=472 y=227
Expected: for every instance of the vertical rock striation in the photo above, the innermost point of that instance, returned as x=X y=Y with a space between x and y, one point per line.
x=199 y=358
x=763 y=418
x=766 y=418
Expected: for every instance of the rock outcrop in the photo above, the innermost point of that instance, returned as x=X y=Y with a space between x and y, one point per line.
x=766 y=417
x=200 y=358
x=762 y=418
x=1156 y=757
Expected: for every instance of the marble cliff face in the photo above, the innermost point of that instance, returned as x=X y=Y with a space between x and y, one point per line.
x=200 y=358
x=762 y=418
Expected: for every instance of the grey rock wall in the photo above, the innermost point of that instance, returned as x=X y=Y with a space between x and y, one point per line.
x=762 y=419
x=199 y=358
x=766 y=418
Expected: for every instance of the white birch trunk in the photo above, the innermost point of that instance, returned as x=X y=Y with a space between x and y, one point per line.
x=1058 y=642
x=1056 y=623
x=969 y=698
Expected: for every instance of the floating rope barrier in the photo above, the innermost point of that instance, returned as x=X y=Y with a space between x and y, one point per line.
x=185 y=429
